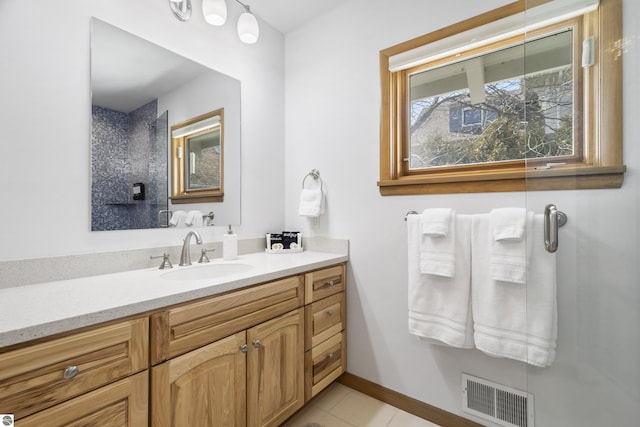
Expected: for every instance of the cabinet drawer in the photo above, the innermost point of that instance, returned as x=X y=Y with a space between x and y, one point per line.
x=124 y=403
x=322 y=283
x=181 y=329
x=323 y=319
x=325 y=363
x=33 y=378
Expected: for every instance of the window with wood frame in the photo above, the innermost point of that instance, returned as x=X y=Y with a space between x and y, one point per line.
x=528 y=102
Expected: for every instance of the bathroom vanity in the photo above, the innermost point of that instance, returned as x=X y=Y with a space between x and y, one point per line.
x=248 y=348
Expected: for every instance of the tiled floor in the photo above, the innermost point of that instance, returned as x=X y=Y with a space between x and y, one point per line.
x=340 y=406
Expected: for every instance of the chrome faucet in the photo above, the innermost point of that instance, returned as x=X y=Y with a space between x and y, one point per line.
x=185 y=256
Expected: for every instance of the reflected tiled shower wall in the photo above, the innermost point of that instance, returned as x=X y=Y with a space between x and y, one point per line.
x=127 y=149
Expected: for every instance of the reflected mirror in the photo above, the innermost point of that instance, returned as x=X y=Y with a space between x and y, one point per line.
x=140 y=92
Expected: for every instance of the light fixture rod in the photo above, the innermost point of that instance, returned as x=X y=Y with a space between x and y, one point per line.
x=246 y=6
x=181 y=9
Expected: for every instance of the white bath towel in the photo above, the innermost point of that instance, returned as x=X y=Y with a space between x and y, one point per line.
x=311 y=202
x=194 y=219
x=178 y=219
x=517 y=322
x=439 y=307
x=438 y=242
x=510 y=246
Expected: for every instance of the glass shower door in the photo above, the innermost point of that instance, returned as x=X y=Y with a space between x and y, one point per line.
x=159 y=172
x=594 y=380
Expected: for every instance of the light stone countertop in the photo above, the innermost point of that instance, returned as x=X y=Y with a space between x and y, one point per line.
x=43 y=309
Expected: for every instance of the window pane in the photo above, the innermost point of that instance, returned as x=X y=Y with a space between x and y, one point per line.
x=522 y=108
x=203 y=161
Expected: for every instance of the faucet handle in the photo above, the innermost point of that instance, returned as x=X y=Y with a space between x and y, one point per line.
x=203 y=256
x=166 y=262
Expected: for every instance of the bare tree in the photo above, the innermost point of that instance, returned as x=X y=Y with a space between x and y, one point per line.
x=528 y=117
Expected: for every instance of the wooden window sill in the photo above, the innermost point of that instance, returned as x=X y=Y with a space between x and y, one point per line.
x=515 y=179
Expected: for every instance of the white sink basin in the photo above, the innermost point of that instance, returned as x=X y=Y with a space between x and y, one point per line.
x=211 y=271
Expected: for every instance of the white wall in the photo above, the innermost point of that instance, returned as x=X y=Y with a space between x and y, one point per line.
x=332 y=100
x=45 y=119
x=332 y=122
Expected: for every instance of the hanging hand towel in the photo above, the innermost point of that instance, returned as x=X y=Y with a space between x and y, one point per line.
x=510 y=246
x=311 y=202
x=435 y=222
x=178 y=219
x=438 y=242
x=508 y=223
x=439 y=307
x=194 y=219
x=517 y=322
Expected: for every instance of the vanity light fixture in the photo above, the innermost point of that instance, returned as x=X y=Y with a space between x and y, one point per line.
x=248 y=29
x=215 y=13
x=181 y=9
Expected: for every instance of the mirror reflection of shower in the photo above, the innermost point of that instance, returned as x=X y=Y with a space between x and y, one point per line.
x=129 y=164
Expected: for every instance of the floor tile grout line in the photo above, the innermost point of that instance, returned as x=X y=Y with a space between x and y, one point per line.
x=344 y=393
x=367 y=397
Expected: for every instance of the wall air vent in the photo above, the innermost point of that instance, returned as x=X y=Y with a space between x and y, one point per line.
x=502 y=405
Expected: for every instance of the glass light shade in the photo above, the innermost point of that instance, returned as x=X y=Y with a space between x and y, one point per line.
x=214 y=11
x=248 y=29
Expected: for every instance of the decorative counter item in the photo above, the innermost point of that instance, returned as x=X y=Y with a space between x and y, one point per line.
x=285 y=242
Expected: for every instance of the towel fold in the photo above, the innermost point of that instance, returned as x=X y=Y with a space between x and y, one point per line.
x=510 y=245
x=439 y=307
x=435 y=222
x=437 y=242
x=517 y=322
x=508 y=223
x=194 y=219
x=311 y=202
x=178 y=219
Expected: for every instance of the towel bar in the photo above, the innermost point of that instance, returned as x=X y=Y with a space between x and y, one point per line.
x=315 y=174
x=207 y=218
x=410 y=213
x=553 y=219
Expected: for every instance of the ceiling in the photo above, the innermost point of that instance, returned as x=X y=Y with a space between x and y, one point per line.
x=287 y=15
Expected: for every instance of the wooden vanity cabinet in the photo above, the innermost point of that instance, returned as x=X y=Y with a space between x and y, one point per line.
x=325 y=324
x=86 y=378
x=253 y=377
x=249 y=357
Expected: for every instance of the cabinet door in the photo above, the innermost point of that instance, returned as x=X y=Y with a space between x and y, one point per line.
x=275 y=382
x=205 y=387
x=121 y=404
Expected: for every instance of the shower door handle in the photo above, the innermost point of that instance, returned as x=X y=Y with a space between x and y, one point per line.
x=553 y=219
x=551 y=228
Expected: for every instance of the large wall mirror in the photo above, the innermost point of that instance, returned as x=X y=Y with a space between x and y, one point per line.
x=139 y=91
